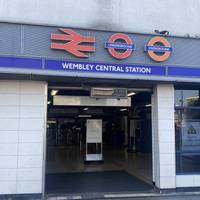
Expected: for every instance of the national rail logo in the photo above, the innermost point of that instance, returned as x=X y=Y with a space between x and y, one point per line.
x=74 y=43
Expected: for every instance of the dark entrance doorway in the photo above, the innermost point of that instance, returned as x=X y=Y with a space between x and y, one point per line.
x=127 y=149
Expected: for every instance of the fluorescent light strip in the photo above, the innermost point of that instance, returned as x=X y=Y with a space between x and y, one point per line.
x=54 y=92
x=148 y=105
x=194 y=97
x=123 y=109
x=131 y=94
x=84 y=116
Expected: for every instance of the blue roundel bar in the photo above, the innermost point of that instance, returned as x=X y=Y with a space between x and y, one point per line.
x=158 y=48
x=119 y=45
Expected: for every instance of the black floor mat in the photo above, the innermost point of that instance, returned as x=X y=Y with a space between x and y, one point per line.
x=85 y=182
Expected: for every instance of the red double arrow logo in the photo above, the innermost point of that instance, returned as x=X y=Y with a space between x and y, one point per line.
x=74 y=43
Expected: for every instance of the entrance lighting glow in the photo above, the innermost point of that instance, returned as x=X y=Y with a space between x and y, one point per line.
x=148 y=105
x=54 y=92
x=131 y=94
x=194 y=97
x=84 y=116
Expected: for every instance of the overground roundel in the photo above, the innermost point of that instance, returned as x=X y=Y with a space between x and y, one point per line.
x=120 y=50
x=158 y=49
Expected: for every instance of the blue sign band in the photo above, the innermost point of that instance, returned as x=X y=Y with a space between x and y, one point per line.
x=118 y=45
x=75 y=66
x=183 y=71
x=104 y=67
x=15 y=62
x=157 y=48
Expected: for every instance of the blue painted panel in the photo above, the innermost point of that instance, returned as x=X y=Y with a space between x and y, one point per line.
x=14 y=62
x=117 y=45
x=158 y=48
x=183 y=71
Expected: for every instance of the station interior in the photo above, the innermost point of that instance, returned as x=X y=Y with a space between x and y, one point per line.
x=126 y=162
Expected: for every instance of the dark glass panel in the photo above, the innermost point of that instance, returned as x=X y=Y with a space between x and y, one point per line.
x=187 y=131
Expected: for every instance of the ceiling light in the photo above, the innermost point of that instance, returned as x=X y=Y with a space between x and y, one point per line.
x=83 y=116
x=194 y=97
x=54 y=92
x=51 y=122
x=148 y=105
x=123 y=109
x=131 y=94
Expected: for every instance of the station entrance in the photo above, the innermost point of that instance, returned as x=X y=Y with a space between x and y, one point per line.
x=98 y=143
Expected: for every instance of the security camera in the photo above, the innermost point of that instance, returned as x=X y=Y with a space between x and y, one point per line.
x=164 y=32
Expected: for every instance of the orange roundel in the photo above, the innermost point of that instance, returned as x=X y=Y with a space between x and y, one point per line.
x=113 y=46
x=159 y=52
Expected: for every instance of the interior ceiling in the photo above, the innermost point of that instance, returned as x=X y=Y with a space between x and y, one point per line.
x=139 y=102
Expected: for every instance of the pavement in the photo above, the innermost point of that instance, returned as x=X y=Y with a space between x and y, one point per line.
x=155 y=196
x=197 y=197
x=194 y=196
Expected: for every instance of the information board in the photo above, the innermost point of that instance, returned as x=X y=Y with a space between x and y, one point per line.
x=94 y=131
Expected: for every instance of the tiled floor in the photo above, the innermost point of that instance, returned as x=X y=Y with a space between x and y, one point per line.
x=71 y=159
x=94 y=182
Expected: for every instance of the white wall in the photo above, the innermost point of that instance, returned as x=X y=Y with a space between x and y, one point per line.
x=179 y=17
x=164 y=174
x=187 y=180
x=22 y=130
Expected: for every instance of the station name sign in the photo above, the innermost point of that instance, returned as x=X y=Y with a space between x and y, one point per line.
x=119 y=45
x=76 y=66
x=41 y=64
x=98 y=54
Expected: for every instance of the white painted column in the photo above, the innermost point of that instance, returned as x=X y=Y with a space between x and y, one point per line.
x=163 y=136
x=22 y=135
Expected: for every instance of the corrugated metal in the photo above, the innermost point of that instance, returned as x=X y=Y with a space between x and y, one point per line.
x=34 y=41
x=10 y=39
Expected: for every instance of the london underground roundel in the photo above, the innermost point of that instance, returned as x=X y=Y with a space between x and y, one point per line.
x=158 y=49
x=120 y=46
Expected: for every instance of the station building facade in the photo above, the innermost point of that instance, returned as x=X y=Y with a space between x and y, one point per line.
x=31 y=56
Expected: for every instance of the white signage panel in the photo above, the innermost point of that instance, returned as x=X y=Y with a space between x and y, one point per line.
x=88 y=101
x=191 y=136
x=94 y=131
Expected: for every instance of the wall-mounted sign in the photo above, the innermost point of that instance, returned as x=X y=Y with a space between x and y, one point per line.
x=41 y=64
x=74 y=43
x=120 y=46
x=76 y=66
x=190 y=136
x=158 y=49
x=115 y=93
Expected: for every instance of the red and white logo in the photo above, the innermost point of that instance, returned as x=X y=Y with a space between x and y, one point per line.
x=74 y=43
x=120 y=46
x=158 y=49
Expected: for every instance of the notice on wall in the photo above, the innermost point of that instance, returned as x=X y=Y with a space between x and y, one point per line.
x=191 y=136
x=94 y=131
